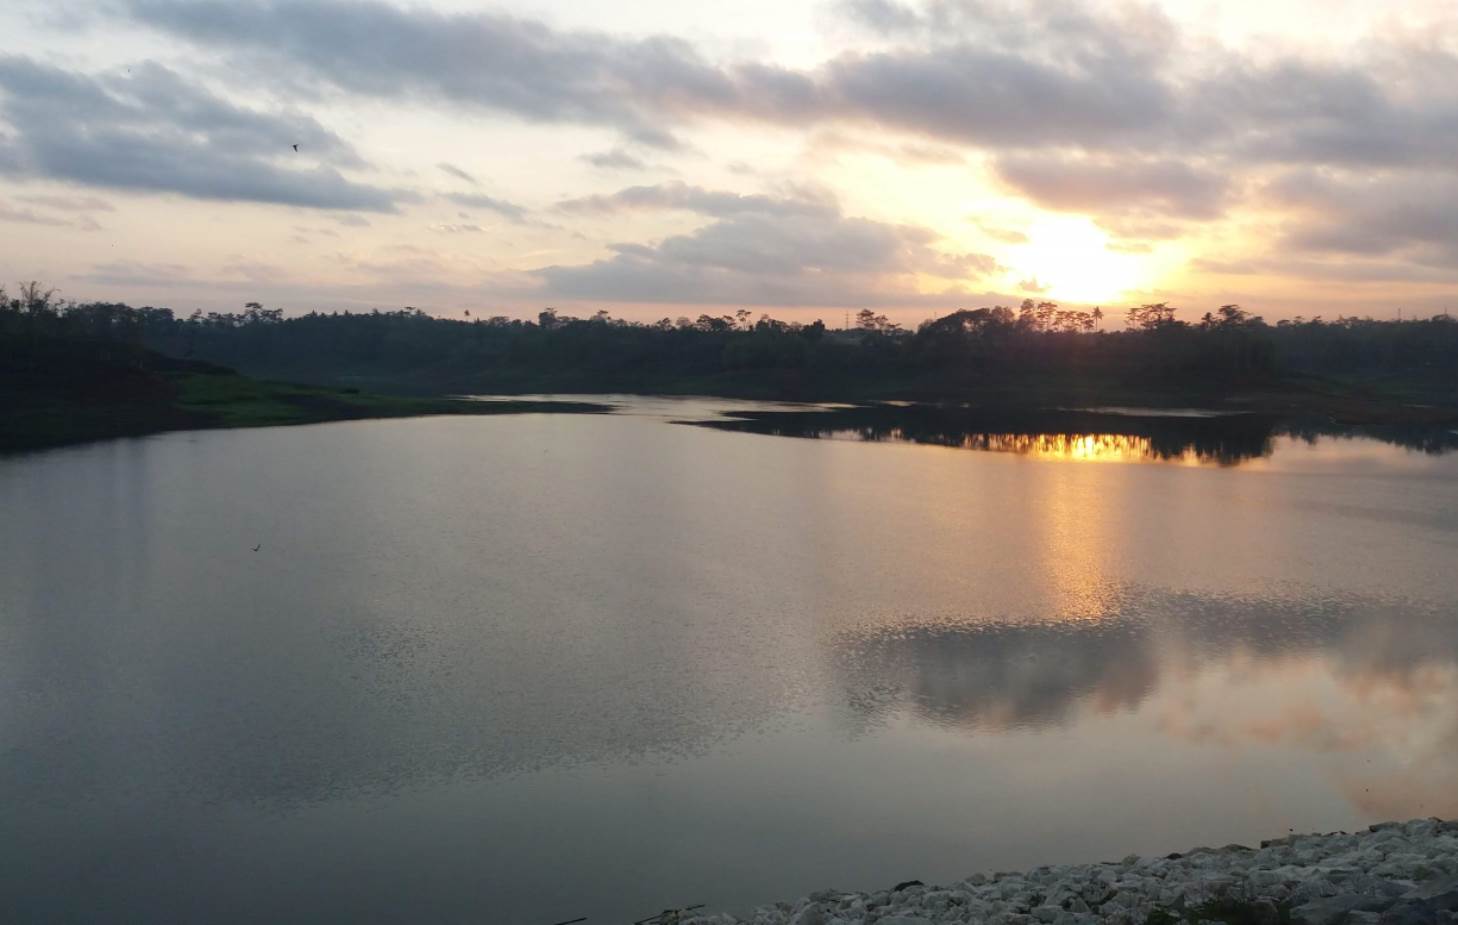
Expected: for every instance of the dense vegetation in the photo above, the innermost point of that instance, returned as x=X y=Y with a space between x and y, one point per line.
x=74 y=373
x=1037 y=353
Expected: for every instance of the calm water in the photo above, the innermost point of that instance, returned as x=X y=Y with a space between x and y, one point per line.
x=521 y=669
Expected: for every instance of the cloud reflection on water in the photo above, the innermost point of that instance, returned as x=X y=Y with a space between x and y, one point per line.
x=1371 y=684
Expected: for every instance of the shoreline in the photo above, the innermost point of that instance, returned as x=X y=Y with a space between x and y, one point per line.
x=223 y=400
x=1393 y=873
x=160 y=394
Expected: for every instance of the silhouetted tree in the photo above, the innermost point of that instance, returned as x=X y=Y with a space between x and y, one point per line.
x=1153 y=317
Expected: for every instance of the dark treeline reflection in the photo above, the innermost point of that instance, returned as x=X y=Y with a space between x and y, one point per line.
x=1225 y=440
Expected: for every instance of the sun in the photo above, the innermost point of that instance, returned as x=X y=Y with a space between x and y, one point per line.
x=1070 y=259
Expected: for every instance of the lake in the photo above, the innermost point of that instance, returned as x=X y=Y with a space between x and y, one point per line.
x=526 y=668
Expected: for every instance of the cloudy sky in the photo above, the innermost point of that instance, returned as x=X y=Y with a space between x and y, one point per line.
x=668 y=157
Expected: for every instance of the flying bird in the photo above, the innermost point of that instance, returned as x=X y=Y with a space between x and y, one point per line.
x=258 y=547
x=296 y=148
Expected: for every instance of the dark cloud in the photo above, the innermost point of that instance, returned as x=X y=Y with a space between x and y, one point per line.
x=458 y=173
x=1411 y=214
x=1166 y=187
x=616 y=159
x=152 y=130
x=681 y=196
x=967 y=92
x=651 y=136
x=1387 y=102
x=758 y=258
x=9 y=154
x=992 y=97
x=988 y=73
x=1056 y=28
x=883 y=15
x=501 y=207
x=1397 y=108
x=479 y=60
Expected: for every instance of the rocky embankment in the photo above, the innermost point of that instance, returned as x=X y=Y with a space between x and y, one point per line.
x=1402 y=873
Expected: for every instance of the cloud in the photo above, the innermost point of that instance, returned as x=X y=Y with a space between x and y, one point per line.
x=1343 y=269
x=152 y=130
x=759 y=258
x=475 y=60
x=501 y=207
x=989 y=73
x=76 y=211
x=458 y=173
x=969 y=92
x=1110 y=110
x=306 y=232
x=1129 y=247
x=882 y=15
x=69 y=203
x=131 y=273
x=31 y=217
x=457 y=229
x=927 y=154
x=834 y=142
x=1101 y=185
x=992 y=97
x=998 y=233
x=681 y=196
x=1392 y=106
x=1408 y=213
x=615 y=159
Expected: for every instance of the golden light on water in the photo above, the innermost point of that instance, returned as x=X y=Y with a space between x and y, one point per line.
x=1072 y=447
x=1079 y=447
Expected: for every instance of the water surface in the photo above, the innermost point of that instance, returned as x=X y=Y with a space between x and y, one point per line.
x=525 y=668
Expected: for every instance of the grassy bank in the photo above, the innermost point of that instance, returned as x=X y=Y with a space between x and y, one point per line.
x=59 y=393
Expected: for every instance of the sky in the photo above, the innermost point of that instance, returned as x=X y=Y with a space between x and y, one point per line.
x=663 y=158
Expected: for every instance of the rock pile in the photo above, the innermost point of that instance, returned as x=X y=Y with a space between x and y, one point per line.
x=1396 y=873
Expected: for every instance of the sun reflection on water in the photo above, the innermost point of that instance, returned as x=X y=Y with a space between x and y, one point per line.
x=1079 y=447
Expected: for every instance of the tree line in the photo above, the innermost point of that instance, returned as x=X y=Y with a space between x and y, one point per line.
x=1034 y=343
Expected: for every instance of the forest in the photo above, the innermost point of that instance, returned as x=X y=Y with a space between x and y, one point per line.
x=1035 y=353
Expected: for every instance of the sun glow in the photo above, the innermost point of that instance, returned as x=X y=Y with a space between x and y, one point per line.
x=1068 y=258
